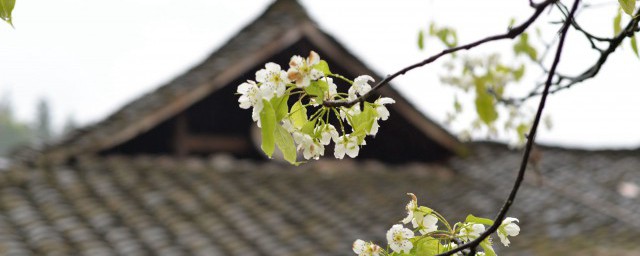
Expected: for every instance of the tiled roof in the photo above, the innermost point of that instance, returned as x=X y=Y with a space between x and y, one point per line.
x=224 y=206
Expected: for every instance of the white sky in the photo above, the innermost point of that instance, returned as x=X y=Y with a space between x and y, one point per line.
x=88 y=58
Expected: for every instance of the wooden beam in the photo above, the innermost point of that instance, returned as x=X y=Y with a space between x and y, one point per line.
x=217 y=143
x=180 y=136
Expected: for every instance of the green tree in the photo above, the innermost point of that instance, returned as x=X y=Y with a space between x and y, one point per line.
x=43 y=122
x=69 y=125
x=12 y=131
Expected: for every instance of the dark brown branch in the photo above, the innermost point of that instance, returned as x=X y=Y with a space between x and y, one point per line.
x=472 y=245
x=511 y=33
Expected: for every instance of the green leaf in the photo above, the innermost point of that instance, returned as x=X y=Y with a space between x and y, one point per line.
x=518 y=73
x=370 y=114
x=363 y=121
x=484 y=221
x=456 y=105
x=485 y=106
x=425 y=210
x=628 y=6
x=487 y=247
x=323 y=66
x=523 y=47
x=502 y=68
x=634 y=45
x=616 y=23
x=280 y=106
x=268 y=122
x=317 y=89
x=421 y=40
x=522 y=130
x=284 y=140
x=6 y=7
x=299 y=115
x=428 y=247
x=447 y=36
x=308 y=127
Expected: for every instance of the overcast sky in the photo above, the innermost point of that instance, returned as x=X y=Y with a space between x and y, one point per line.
x=88 y=58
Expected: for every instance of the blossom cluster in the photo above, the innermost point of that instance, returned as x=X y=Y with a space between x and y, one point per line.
x=307 y=126
x=430 y=239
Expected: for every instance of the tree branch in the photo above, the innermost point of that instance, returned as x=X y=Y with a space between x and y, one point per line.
x=576 y=26
x=511 y=33
x=565 y=82
x=472 y=245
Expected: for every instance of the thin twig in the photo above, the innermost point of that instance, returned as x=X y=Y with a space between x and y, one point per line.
x=564 y=10
x=590 y=72
x=511 y=33
x=472 y=245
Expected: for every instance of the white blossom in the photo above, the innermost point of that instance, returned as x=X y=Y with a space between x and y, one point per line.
x=508 y=228
x=374 y=128
x=288 y=125
x=381 y=110
x=327 y=133
x=350 y=111
x=315 y=74
x=360 y=86
x=309 y=147
x=346 y=144
x=273 y=79
x=411 y=207
x=314 y=102
x=382 y=113
x=250 y=95
x=471 y=231
x=398 y=238
x=333 y=89
x=255 y=115
x=428 y=223
x=363 y=248
x=301 y=70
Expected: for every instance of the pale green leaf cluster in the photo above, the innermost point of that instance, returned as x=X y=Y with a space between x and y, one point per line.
x=288 y=107
x=634 y=45
x=485 y=81
x=523 y=47
x=617 y=28
x=617 y=21
x=428 y=233
x=628 y=6
x=6 y=7
x=445 y=35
